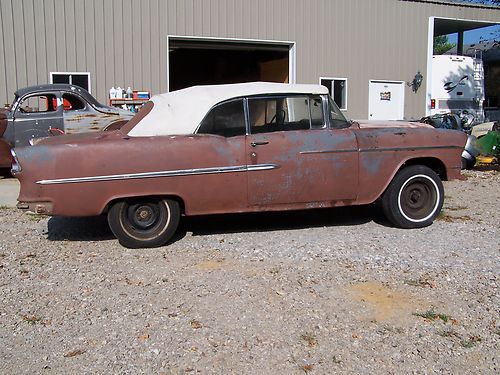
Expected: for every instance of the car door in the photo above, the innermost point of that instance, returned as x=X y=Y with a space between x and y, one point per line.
x=34 y=115
x=294 y=156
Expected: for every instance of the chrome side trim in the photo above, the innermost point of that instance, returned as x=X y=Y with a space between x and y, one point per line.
x=328 y=151
x=179 y=172
x=407 y=148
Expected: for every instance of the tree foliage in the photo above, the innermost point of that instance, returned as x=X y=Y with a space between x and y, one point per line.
x=442 y=45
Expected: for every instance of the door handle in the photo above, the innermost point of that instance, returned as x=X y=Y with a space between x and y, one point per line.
x=255 y=144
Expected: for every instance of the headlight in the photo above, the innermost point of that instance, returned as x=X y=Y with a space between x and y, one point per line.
x=16 y=167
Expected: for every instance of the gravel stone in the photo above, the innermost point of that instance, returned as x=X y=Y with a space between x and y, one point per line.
x=321 y=291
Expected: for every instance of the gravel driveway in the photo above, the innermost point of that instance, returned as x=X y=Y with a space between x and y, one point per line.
x=319 y=292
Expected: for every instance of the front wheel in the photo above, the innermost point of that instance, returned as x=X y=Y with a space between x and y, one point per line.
x=144 y=222
x=414 y=197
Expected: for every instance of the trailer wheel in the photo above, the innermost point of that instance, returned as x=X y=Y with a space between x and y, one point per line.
x=414 y=197
x=144 y=222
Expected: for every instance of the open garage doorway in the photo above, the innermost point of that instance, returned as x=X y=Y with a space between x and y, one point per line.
x=462 y=82
x=199 y=61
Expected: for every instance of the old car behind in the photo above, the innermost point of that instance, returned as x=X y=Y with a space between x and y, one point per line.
x=238 y=148
x=38 y=111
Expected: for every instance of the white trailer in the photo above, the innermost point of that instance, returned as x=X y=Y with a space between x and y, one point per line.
x=457 y=85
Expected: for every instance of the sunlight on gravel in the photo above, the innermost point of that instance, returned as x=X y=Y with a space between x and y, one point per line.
x=323 y=291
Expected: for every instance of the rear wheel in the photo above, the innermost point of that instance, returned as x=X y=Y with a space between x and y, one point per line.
x=144 y=222
x=414 y=197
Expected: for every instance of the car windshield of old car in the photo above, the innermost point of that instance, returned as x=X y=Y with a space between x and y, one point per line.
x=39 y=103
x=272 y=114
x=226 y=119
x=337 y=119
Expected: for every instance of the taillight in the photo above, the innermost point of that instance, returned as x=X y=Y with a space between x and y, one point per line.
x=433 y=103
x=16 y=167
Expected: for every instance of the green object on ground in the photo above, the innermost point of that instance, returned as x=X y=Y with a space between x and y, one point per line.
x=489 y=144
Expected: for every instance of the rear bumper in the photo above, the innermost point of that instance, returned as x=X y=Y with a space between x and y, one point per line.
x=41 y=208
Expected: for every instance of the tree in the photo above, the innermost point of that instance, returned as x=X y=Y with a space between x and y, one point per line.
x=442 y=45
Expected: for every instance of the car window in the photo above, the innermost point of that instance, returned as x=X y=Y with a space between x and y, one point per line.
x=316 y=107
x=226 y=119
x=274 y=114
x=337 y=119
x=38 y=103
x=72 y=102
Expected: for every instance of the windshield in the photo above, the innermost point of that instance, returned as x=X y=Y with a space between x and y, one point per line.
x=337 y=119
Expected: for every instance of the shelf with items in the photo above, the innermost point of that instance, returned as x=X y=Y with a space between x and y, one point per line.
x=131 y=100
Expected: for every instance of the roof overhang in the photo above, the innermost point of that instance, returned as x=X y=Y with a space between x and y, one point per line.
x=445 y=26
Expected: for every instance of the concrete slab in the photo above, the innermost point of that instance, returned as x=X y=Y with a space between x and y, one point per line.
x=9 y=190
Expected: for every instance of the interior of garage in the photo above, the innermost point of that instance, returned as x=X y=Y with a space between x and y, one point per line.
x=205 y=62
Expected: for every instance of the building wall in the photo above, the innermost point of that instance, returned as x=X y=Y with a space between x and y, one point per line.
x=124 y=42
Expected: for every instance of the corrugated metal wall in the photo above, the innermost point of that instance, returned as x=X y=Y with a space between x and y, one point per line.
x=124 y=42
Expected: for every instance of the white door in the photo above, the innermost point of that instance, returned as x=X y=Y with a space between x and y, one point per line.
x=386 y=100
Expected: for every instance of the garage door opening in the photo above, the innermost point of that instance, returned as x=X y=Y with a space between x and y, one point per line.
x=207 y=62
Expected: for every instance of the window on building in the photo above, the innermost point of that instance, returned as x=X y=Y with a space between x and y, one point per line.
x=226 y=119
x=285 y=113
x=73 y=78
x=337 y=87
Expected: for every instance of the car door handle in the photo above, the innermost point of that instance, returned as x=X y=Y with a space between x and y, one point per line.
x=255 y=144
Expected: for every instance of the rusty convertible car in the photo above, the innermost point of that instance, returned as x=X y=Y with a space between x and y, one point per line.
x=40 y=111
x=237 y=148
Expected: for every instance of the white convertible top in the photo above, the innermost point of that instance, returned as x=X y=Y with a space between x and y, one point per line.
x=180 y=112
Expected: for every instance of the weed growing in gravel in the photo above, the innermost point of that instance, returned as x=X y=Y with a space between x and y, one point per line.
x=432 y=315
x=36 y=217
x=457 y=208
x=470 y=342
x=309 y=338
x=443 y=216
x=448 y=333
x=31 y=319
x=3 y=207
x=336 y=360
x=307 y=368
x=423 y=281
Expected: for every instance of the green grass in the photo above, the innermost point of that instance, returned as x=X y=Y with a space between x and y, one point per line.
x=432 y=315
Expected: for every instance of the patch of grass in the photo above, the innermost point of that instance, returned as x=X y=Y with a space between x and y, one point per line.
x=3 y=207
x=470 y=342
x=309 y=338
x=336 y=360
x=432 y=316
x=36 y=217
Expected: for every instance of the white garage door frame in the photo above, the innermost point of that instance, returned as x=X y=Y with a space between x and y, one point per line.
x=401 y=110
x=290 y=44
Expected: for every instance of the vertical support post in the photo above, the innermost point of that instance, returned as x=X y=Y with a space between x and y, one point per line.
x=460 y=43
